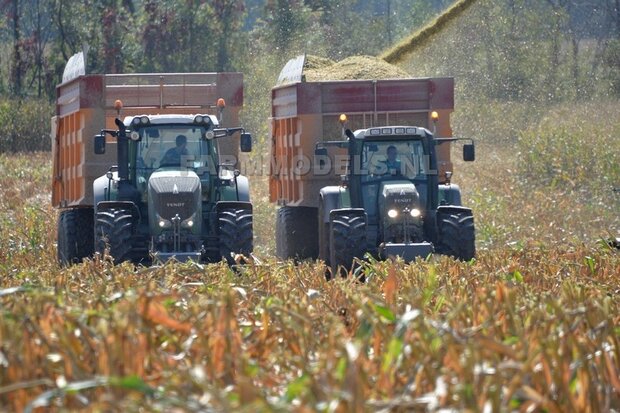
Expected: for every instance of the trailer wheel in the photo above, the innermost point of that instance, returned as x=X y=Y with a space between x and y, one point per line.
x=297 y=234
x=235 y=232
x=114 y=229
x=457 y=235
x=347 y=239
x=75 y=235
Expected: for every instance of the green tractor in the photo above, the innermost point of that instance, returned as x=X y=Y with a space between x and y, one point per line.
x=170 y=196
x=390 y=202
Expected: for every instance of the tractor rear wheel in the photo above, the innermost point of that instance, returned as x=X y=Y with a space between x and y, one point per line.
x=457 y=235
x=114 y=229
x=297 y=234
x=347 y=240
x=75 y=235
x=235 y=233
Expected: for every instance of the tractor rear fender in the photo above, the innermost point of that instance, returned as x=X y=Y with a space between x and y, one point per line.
x=331 y=199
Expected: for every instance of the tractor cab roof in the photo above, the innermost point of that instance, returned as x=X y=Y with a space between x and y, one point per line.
x=392 y=132
x=198 y=119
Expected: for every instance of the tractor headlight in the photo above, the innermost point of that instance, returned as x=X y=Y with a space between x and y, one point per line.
x=162 y=222
x=392 y=213
x=415 y=212
x=189 y=222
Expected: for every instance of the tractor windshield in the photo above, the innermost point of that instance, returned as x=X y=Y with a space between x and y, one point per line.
x=399 y=158
x=177 y=146
x=391 y=160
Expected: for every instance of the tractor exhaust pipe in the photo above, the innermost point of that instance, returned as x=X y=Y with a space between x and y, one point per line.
x=122 y=145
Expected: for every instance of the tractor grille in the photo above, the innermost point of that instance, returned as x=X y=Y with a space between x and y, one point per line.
x=174 y=195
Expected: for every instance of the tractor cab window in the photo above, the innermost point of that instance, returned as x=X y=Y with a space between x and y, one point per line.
x=387 y=159
x=173 y=146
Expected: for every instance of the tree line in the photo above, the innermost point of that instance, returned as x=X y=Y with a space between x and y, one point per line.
x=500 y=49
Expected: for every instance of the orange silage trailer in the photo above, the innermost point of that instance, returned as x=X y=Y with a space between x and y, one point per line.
x=85 y=105
x=328 y=173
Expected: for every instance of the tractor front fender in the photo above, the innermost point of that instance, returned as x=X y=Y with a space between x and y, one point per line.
x=450 y=195
x=331 y=198
x=447 y=209
x=233 y=204
x=229 y=193
x=126 y=205
x=103 y=189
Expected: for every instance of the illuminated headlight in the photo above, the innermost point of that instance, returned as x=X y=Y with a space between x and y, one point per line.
x=189 y=222
x=163 y=223
x=415 y=212
x=392 y=213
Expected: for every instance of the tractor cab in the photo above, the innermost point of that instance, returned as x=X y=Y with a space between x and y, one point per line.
x=395 y=185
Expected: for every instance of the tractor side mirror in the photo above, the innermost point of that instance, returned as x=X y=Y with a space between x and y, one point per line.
x=245 y=143
x=469 y=152
x=100 y=144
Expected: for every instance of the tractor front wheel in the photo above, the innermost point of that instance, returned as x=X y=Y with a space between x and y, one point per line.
x=113 y=230
x=457 y=235
x=235 y=231
x=347 y=239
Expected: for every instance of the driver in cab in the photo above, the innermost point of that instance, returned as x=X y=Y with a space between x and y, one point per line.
x=173 y=155
x=392 y=163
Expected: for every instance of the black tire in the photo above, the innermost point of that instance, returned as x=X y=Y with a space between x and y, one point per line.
x=297 y=235
x=347 y=240
x=457 y=235
x=114 y=230
x=235 y=233
x=75 y=235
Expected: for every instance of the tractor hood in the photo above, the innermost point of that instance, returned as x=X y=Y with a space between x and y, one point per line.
x=401 y=214
x=399 y=196
x=174 y=201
